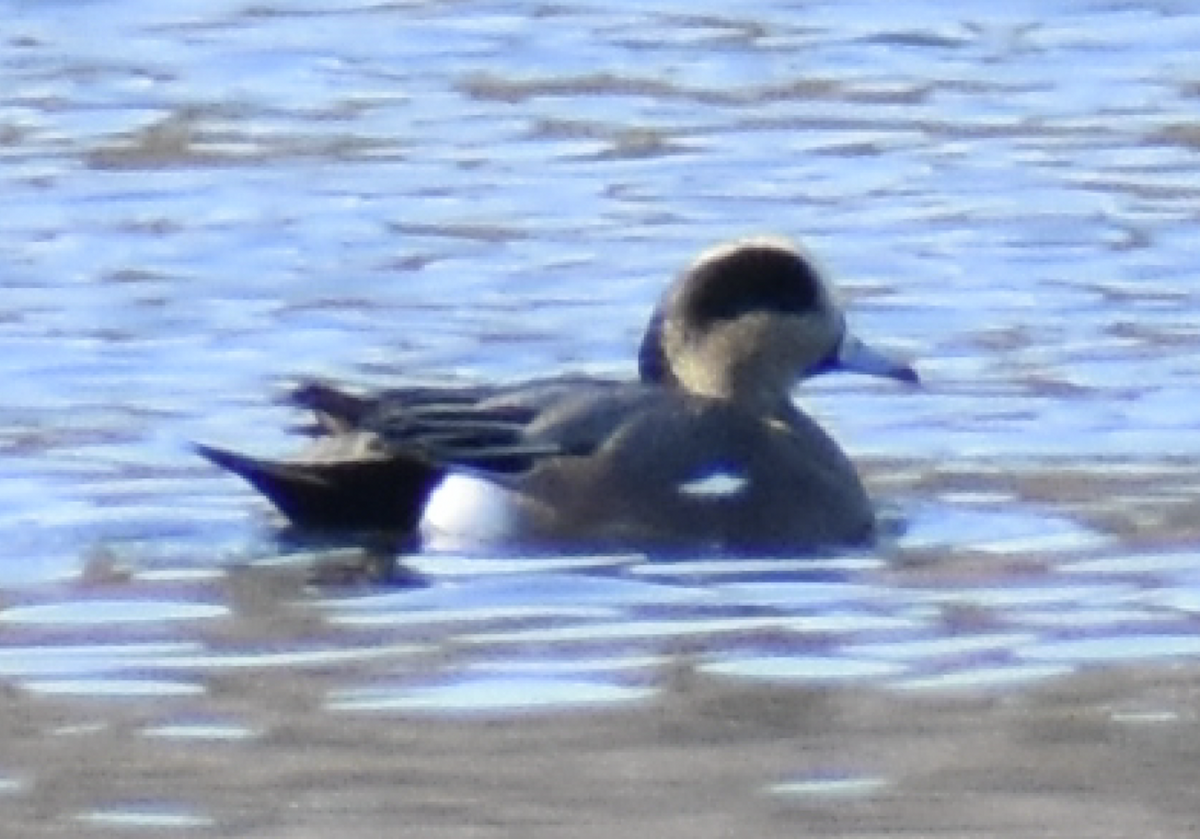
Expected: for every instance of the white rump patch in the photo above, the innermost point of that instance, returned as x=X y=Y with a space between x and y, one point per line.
x=721 y=483
x=468 y=509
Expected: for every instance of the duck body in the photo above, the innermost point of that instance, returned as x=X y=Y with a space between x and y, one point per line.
x=762 y=483
x=705 y=450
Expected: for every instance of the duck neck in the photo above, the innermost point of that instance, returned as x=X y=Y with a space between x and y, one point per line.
x=751 y=391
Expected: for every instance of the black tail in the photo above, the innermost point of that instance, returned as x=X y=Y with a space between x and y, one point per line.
x=383 y=493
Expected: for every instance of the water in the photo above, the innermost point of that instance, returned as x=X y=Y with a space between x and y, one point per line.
x=203 y=200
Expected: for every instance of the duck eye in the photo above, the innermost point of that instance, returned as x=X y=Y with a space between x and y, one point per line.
x=755 y=279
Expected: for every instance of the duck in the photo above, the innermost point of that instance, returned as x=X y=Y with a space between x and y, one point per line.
x=704 y=450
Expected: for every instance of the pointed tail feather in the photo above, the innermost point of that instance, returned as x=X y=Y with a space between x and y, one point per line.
x=384 y=493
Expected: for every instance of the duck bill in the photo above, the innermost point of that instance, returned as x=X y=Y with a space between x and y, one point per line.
x=854 y=356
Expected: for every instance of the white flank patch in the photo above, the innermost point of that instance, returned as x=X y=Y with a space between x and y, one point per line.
x=469 y=509
x=719 y=484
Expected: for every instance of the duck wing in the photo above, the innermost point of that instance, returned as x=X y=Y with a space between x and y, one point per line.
x=378 y=457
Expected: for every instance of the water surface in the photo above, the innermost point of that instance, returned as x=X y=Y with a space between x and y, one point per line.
x=203 y=200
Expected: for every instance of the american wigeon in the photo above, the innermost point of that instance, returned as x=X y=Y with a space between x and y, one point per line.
x=705 y=450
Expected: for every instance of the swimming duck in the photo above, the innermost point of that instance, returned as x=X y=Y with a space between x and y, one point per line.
x=706 y=450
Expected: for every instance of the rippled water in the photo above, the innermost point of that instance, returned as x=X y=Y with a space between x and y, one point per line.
x=204 y=199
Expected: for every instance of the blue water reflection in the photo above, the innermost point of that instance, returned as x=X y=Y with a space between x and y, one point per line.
x=202 y=200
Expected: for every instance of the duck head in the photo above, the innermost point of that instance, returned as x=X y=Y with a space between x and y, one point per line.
x=749 y=319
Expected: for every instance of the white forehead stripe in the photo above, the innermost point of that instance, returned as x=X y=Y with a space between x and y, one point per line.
x=720 y=483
